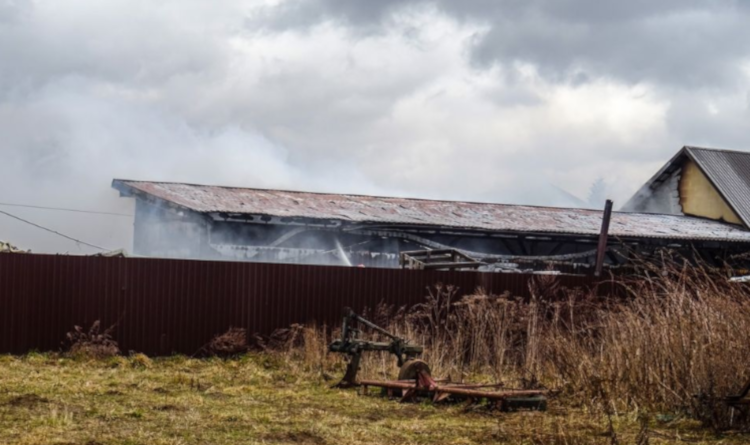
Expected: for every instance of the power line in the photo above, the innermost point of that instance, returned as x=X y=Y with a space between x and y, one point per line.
x=53 y=231
x=63 y=209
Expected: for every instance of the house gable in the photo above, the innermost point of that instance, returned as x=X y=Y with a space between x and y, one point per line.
x=698 y=197
x=695 y=182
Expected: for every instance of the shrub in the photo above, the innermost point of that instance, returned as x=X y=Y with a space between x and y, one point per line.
x=231 y=343
x=92 y=343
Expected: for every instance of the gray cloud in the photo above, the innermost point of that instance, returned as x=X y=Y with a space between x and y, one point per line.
x=691 y=48
x=676 y=42
x=482 y=100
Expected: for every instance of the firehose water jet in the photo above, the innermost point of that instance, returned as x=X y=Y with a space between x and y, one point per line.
x=342 y=254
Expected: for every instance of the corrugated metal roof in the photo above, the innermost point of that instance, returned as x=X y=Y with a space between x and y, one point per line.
x=729 y=171
x=406 y=211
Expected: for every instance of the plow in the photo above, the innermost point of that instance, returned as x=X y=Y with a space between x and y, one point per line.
x=415 y=380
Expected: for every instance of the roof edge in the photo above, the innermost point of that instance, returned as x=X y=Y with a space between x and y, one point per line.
x=129 y=188
x=723 y=150
x=118 y=182
x=121 y=184
x=128 y=191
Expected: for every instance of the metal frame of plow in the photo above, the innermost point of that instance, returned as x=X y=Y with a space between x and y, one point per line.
x=425 y=385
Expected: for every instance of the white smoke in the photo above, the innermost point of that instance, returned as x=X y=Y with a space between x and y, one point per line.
x=70 y=142
x=204 y=93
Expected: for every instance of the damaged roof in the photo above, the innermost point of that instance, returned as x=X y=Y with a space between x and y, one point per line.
x=385 y=211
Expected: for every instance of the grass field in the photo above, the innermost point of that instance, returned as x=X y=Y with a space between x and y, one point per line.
x=260 y=398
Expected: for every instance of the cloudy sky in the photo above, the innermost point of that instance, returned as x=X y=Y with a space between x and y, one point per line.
x=487 y=100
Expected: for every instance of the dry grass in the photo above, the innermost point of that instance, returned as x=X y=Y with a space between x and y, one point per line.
x=264 y=398
x=670 y=345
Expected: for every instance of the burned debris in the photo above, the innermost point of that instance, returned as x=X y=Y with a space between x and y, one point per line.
x=438 y=259
x=10 y=248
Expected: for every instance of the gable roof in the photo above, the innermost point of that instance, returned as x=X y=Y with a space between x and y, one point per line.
x=358 y=209
x=727 y=170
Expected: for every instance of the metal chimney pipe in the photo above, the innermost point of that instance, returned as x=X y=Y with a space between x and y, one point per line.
x=602 y=247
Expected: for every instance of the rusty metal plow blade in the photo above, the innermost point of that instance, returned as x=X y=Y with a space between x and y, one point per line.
x=425 y=386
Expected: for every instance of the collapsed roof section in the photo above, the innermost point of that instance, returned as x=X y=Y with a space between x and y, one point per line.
x=293 y=207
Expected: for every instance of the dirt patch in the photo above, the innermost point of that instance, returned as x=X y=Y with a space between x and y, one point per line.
x=301 y=437
x=90 y=442
x=168 y=408
x=374 y=415
x=26 y=401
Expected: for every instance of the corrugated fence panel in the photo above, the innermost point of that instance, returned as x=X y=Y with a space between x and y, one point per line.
x=164 y=306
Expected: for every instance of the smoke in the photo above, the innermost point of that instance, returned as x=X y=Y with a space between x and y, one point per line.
x=212 y=93
x=597 y=194
x=68 y=142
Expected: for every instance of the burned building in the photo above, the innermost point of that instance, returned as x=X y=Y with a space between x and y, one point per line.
x=212 y=222
x=703 y=182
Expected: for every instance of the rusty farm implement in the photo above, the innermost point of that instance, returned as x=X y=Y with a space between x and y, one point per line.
x=415 y=378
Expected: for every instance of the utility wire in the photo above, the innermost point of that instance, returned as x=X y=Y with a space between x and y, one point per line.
x=63 y=209
x=53 y=231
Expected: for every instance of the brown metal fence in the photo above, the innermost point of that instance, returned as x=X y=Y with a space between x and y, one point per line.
x=164 y=306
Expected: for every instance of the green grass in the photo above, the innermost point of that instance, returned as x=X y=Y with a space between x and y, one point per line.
x=48 y=399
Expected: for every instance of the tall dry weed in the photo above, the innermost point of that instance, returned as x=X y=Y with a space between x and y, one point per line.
x=672 y=340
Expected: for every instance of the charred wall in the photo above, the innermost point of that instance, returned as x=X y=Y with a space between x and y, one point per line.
x=164 y=232
x=664 y=198
x=683 y=191
x=167 y=232
x=170 y=232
